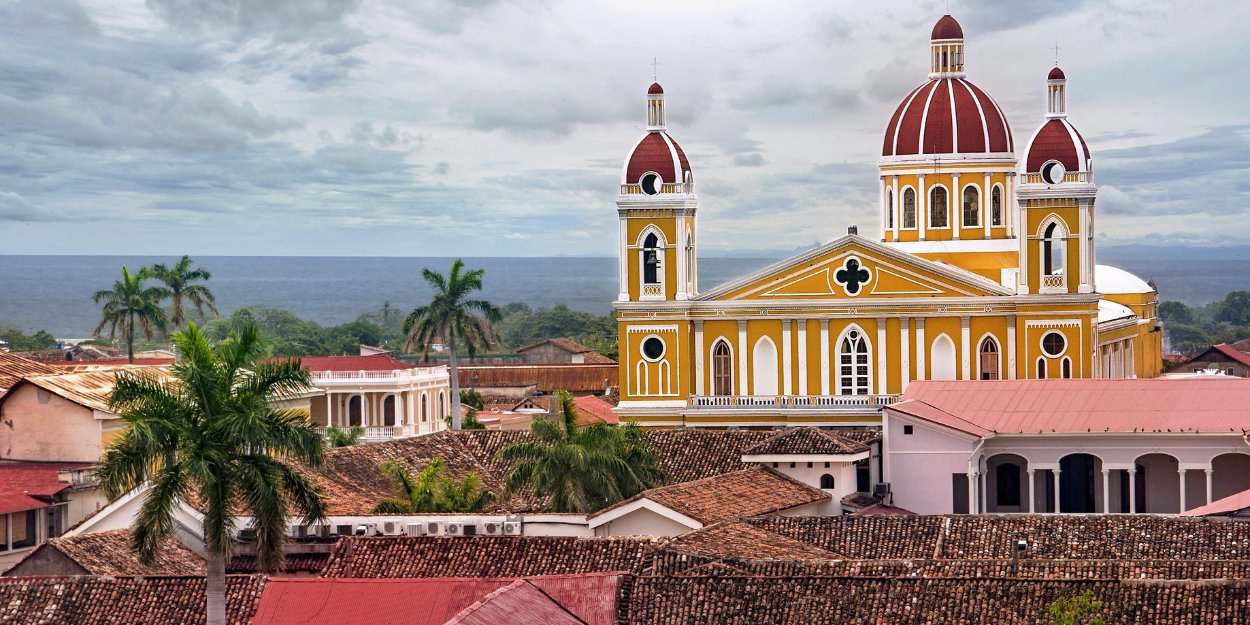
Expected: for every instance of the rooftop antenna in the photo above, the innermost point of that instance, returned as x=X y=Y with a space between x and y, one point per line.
x=1056 y=53
x=655 y=70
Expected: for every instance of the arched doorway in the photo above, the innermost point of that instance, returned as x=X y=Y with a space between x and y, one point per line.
x=942 y=357
x=354 y=411
x=722 y=369
x=1159 y=484
x=388 y=410
x=1006 y=484
x=764 y=360
x=1079 y=477
x=1230 y=475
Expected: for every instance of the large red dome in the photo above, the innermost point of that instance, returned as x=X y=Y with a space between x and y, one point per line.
x=947 y=116
x=1057 y=140
x=656 y=152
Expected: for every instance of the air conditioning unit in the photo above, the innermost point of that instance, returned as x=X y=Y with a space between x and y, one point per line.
x=454 y=529
x=434 y=528
x=322 y=530
x=298 y=531
x=392 y=528
x=469 y=529
x=247 y=535
x=511 y=528
x=367 y=529
x=344 y=530
x=881 y=491
x=416 y=529
x=492 y=528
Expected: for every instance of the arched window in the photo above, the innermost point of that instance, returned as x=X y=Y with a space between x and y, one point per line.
x=388 y=410
x=826 y=481
x=1065 y=367
x=651 y=259
x=938 y=208
x=853 y=364
x=1041 y=368
x=889 y=208
x=764 y=361
x=354 y=411
x=972 y=207
x=989 y=359
x=442 y=405
x=1008 y=487
x=1052 y=250
x=425 y=407
x=909 y=208
x=722 y=369
x=996 y=206
x=689 y=261
x=942 y=357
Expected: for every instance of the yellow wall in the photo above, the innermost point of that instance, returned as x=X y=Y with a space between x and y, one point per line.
x=968 y=175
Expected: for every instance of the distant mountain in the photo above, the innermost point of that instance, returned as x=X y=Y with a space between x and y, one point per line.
x=1171 y=252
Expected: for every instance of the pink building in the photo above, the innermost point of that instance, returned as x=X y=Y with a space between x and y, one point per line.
x=388 y=397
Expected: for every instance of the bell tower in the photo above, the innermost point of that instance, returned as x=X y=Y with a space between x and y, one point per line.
x=1056 y=202
x=656 y=209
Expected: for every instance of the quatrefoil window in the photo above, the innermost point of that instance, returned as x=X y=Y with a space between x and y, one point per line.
x=852 y=276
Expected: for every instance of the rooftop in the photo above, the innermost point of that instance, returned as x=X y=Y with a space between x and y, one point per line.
x=108 y=553
x=812 y=441
x=14 y=368
x=376 y=362
x=92 y=600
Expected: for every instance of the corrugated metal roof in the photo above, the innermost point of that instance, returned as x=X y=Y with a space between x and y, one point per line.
x=90 y=389
x=1212 y=404
x=574 y=378
x=14 y=368
x=1228 y=505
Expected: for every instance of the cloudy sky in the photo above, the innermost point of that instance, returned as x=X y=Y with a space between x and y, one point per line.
x=497 y=128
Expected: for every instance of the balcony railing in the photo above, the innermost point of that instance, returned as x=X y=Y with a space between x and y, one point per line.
x=1072 y=176
x=392 y=374
x=378 y=433
x=667 y=187
x=1054 y=284
x=791 y=402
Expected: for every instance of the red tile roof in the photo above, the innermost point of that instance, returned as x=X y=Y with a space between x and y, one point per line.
x=754 y=491
x=1212 y=404
x=16 y=501
x=574 y=378
x=37 y=479
x=594 y=409
x=108 y=553
x=485 y=556
x=807 y=441
x=1233 y=353
x=376 y=362
x=91 y=600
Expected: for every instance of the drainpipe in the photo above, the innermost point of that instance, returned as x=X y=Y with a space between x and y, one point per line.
x=973 y=501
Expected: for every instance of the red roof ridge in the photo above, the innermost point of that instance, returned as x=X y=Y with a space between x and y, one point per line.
x=1233 y=352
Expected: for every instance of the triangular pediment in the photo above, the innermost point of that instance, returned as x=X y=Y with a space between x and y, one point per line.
x=854 y=268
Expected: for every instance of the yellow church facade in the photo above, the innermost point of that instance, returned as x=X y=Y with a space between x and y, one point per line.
x=983 y=268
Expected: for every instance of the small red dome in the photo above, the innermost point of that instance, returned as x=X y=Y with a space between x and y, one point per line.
x=1057 y=140
x=655 y=89
x=657 y=152
x=1056 y=74
x=947 y=116
x=947 y=28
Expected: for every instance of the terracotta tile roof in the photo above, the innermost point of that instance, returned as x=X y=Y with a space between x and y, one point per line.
x=108 y=553
x=735 y=540
x=1211 y=404
x=485 y=556
x=564 y=599
x=753 y=491
x=693 y=454
x=807 y=441
x=594 y=409
x=376 y=362
x=881 y=509
x=14 y=368
x=291 y=563
x=678 y=600
x=91 y=600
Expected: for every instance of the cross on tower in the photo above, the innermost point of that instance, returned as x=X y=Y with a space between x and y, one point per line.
x=655 y=70
x=1056 y=54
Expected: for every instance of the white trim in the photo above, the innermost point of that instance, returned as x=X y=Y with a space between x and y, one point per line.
x=932 y=359
x=780 y=458
x=950 y=91
x=755 y=368
x=929 y=207
x=985 y=124
x=898 y=127
x=1041 y=344
x=607 y=516
x=642 y=354
x=630 y=157
x=672 y=151
x=924 y=118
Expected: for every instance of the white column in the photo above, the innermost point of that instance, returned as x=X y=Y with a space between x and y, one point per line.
x=965 y=340
x=401 y=415
x=1210 y=472
x=698 y=358
x=1011 y=348
x=329 y=409
x=1022 y=279
x=1132 y=490
x=743 y=383
x=882 y=385
x=787 y=360
x=1032 y=488
x=972 y=490
x=920 y=349
x=623 y=261
x=824 y=356
x=680 y=253
x=904 y=342
x=884 y=209
x=955 y=205
x=802 y=356
x=1106 y=491
x=898 y=207
x=1082 y=242
x=984 y=197
x=981 y=507
x=1058 y=507
x=1009 y=204
x=1182 y=472
x=922 y=199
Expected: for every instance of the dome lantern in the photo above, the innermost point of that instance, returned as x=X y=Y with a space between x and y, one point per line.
x=655 y=108
x=946 y=49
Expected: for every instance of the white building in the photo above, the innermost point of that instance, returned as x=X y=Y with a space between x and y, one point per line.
x=387 y=397
x=1089 y=446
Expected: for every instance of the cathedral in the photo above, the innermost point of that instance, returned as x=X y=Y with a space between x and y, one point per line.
x=984 y=268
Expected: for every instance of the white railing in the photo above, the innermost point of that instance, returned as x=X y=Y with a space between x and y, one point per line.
x=653 y=290
x=791 y=402
x=667 y=187
x=370 y=375
x=1072 y=176
x=1054 y=284
x=375 y=433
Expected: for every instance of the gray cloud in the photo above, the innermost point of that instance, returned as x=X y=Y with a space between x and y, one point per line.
x=754 y=159
x=248 y=18
x=14 y=207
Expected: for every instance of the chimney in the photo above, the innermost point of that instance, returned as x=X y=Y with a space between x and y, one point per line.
x=853 y=230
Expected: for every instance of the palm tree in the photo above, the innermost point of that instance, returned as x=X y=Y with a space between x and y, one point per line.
x=131 y=305
x=430 y=491
x=211 y=435
x=178 y=282
x=344 y=437
x=580 y=470
x=456 y=318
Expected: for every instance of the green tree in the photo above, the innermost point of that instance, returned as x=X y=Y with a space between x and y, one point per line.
x=1235 y=309
x=343 y=437
x=132 y=306
x=19 y=342
x=212 y=435
x=470 y=421
x=470 y=397
x=1176 y=312
x=431 y=491
x=580 y=470
x=181 y=289
x=454 y=317
x=1078 y=610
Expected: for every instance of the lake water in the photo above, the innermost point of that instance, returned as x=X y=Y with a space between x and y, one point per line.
x=54 y=292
